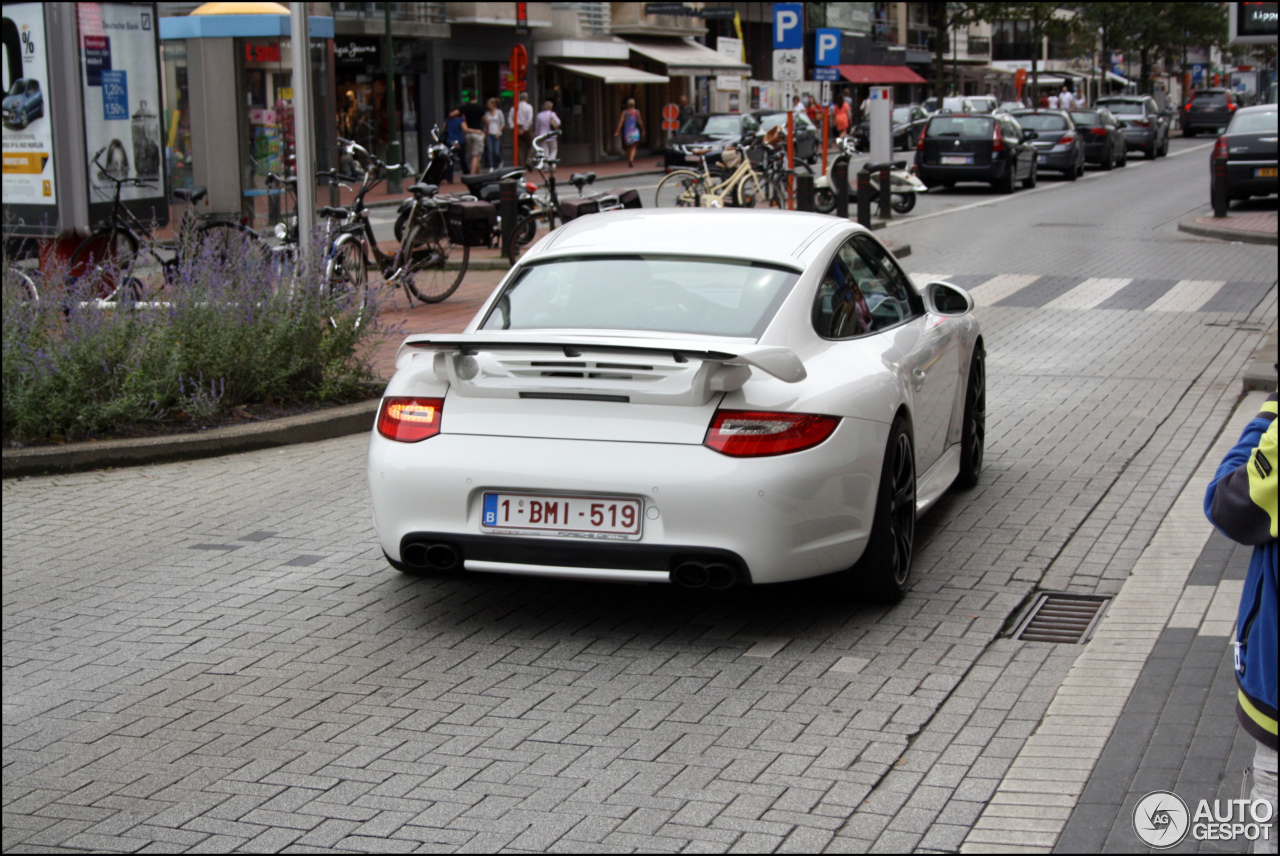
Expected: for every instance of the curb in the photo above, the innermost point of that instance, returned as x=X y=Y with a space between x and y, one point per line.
x=1191 y=227
x=305 y=428
x=1261 y=373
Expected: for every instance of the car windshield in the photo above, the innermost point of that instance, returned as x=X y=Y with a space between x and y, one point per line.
x=959 y=126
x=902 y=114
x=957 y=105
x=1126 y=108
x=1249 y=123
x=731 y=125
x=17 y=87
x=983 y=103
x=1086 y=118
x=1210 y=99
x=704 y=296
x=1042 y=122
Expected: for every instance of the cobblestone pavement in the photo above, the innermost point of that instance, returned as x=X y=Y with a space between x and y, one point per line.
x=213 y=655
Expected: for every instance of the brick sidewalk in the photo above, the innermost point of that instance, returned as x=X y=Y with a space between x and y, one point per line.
x=1251 y=221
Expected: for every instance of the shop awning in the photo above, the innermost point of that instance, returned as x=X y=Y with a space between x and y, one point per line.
x=611 y=73
x=879 y=74
x=685 y=57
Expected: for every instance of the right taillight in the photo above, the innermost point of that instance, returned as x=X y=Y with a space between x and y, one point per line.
x=755 y=434
x=997 y=139
x=1098 y=132
x=920 y=142
x=408 y=419
x=1067 y=138
x=1220 y=148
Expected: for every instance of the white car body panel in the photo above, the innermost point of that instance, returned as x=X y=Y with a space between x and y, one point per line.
x=788 y=516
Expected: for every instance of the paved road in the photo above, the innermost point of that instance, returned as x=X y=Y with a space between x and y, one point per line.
x=213 y=655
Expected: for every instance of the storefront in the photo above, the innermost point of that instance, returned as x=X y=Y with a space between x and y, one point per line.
x=360 y=76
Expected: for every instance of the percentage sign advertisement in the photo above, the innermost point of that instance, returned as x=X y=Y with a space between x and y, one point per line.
x=29 y=197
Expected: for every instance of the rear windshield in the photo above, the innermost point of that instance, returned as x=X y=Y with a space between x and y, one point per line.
x=1210 y=99
x=713 y=125
x=667 y=294
x=775 y=120
x=1043 y=122
x=1124 y=108
x=983 y=103
x=1248 y=123
x=1086 y=119
x=902 y=114
x=959 y=126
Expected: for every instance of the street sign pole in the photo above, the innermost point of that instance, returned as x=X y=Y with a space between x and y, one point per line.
x=304 y=128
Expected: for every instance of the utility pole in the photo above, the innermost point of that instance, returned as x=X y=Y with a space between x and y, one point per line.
x=304 y=125
x=393 y=124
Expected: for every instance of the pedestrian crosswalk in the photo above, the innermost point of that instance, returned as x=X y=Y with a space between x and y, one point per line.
x=1035 y=291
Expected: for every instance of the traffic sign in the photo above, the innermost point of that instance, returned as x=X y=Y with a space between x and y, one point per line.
x=828 y=73
x=788 y=29
x=671 y=112
x=788 y=64
x=670 y=125
x=826 y=47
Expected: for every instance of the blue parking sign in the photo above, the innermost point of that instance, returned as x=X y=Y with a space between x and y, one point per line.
x=788 y=26
x=826 y=46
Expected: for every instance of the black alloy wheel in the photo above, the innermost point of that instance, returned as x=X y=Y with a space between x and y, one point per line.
x=881 y=574
x=974 y=432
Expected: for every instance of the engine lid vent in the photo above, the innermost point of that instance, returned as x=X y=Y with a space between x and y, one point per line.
x=1061 y=617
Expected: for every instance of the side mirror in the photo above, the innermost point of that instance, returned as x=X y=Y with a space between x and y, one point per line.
x=943 y=298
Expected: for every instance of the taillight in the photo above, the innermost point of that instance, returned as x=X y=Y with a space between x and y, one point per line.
x=530 y=186
x=755 y=434
x=1220 y=148
x=1188 y=107
x=1141 y=123
x=997 y=139
x=920 y=143
x=409 y=419
x=1231 y=106
x=1068 y=137
x=1098 y=132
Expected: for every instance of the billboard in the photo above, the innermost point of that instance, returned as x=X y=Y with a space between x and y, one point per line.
x=30 y=195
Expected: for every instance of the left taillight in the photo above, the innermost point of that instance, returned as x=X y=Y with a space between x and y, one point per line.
x=1067 y=138
x=1220 y=149
x=409 y=419
x=757 y=434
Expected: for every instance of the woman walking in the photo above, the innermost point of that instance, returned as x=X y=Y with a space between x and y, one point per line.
x=493 y=125
x=631 y=129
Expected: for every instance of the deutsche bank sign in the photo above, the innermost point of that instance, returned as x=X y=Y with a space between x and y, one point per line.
x=788 y=29
x=826 y=47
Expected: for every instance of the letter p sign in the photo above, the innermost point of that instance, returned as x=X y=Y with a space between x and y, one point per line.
x=826 y=48
x=788 y=33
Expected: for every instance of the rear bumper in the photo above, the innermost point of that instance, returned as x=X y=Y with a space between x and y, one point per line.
x=936 y=173
x=1205 y=121
x=1061 y=161
x=1140 y=138
x=1241 y=181
x=1096 y=152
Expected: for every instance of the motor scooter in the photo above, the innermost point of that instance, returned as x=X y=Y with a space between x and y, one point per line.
x=903 y=185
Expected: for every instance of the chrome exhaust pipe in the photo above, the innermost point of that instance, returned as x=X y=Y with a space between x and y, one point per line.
x=442 y=557
x=691 y=575
x=720 y=577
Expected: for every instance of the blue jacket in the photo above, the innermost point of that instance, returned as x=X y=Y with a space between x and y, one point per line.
x=1241 y=502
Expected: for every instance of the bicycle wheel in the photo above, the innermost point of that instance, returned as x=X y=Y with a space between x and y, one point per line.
x=436 y=266
x=228 y=240
x=108 y=255
x=346 y=278
x=21 y=284
x=751 y=192
x=680 y=189
x=530 y=227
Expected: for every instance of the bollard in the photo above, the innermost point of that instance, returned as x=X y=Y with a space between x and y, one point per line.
x=840 y=184
x=1218 y=188
x=886 y=195
x=864 y=198
x=508 y=211
x=804 y=192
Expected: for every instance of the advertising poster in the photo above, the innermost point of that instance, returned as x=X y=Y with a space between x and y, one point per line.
x=30 y=201
x=120 y=76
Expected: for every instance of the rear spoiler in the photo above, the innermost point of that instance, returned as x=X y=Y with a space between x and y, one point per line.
x=779 y=362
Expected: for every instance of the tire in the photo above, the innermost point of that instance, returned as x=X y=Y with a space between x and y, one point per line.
x=776 y=194
x=22 y=284
x=750 y=192
x=227 y=240
x=973 y=436
x=1188 y=132
x=1109 y=162
x=431 y=277
x=1150 y=152
x=824 y=201
x=680 y=189
x=1080 y=167
x=1124 y=157
x=903 y=202
x=528 y=226
x=1071 y=174
x=1164 y=148
x=1007 y=182
x=346 y=278
x=1030 y=180
x=881 y=574
x=105 y=252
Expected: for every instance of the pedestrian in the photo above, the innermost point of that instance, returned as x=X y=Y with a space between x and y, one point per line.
x=521 y=114
x=1065 y=99
x=797 y=106
x=473 y=113
x=455 y=137
x=1241 y=503
x=686 y=112
x=1053 y=101
x=1043 y=103
x=842 y=119
x=813 y=110
x=544 y=123
x=493 y=125
x=631 y=129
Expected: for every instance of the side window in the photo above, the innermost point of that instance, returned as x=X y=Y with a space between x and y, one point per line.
x=841 y=309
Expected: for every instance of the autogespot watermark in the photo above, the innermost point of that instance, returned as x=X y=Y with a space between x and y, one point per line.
x=1161 y=819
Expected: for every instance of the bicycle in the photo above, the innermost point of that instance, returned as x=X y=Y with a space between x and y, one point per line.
x=18 y=276
x=422 y=264
x=742 y=186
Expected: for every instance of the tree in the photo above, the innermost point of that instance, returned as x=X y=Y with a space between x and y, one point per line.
x=1155 y=30
x=1052 y=20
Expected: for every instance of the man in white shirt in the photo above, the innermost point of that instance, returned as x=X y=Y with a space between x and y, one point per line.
x=1053 y=101
x=521 y=113
x=1065 y=99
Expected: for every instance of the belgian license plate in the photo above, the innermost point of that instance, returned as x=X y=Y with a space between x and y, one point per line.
x=957 y=159
x=1265 y=172
x=603 y=517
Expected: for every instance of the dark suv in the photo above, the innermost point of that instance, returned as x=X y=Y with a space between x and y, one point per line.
x=1208 y=110
x=1145 y=125
x=976 y=147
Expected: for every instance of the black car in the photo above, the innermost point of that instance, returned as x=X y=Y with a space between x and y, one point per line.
x=907 y=123
x=1208 y=110
x=1249 y=148
x=1103 y=140
x=1145 y=125
x=1058 y=146
x=807 y=135
x=976 y=147
x=711 y=131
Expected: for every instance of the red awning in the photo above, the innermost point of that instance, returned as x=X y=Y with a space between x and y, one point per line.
x=879 y=74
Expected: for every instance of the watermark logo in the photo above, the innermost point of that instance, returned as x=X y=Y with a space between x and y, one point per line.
x=1161 y=819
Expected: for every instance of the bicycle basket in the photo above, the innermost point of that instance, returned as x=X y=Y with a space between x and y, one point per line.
x=773 y=136
x=731 y=157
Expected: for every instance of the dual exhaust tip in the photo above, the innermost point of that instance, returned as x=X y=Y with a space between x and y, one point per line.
x=429 y=556
x=716 y=576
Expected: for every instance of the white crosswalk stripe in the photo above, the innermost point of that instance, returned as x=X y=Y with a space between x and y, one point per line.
x=1088 y=294
x=1187 y=296
x=999 y=287
x=923 y=279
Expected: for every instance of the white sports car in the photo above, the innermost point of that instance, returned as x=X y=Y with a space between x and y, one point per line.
x=705 y=398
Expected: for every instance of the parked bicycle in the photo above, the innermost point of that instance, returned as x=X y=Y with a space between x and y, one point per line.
x=741 y=186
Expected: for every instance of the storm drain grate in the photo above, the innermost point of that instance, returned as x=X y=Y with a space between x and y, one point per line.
x=1060 y=617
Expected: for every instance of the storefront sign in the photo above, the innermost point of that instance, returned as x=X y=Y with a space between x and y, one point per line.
x=707 y=13
x=262 y=53
x=728 y=83
x=120 y=79
x=356 y=53
x=30 y=204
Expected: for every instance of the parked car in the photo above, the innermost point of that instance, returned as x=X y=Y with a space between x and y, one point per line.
x=808 y=138
x=1103 y=140
x=1249 y=148
x=908 y=120
x=24 y=103
x=976 y=147
x=1059 y=145
x=712 y=131
x=1208 y=110
x=984 y=103
x=1145 y=125
x=705 y=398
x=949 y=104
